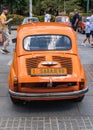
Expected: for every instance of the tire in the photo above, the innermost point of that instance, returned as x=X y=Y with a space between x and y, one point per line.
x=16 y=101
x=79 y=99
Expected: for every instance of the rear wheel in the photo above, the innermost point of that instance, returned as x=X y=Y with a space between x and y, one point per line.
x=16 y=101
x=79 y=99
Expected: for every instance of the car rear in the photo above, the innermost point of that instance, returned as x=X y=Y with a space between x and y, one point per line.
x=49 y=68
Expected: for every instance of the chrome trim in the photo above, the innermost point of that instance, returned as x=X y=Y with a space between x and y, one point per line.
x=49 y=63
x=47 y=95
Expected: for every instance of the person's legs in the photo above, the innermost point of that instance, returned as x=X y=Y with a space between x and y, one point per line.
x=6 y=41
x=1 y=38
x=92 y=37
x=83 y=43
x=85 y=40
x=88 y=37
x=89 y=40
x=5 y=44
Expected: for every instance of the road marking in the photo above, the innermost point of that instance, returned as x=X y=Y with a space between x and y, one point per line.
x=10 y=62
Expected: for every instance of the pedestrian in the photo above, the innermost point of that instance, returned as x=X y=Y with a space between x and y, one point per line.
x=87 y=31
x=75 y=19
x=1 y=34
x=47 y=17
x=1 y=38
x=91 y=28
x=5 y=29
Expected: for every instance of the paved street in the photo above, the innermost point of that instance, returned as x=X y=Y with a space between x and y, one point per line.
x=56 y=115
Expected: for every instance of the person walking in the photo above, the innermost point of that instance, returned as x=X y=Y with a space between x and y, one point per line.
x=87 y=31
x=91 y=28
x=5 y=30
x=1 y=34
x=47 y=17
x=75 y=20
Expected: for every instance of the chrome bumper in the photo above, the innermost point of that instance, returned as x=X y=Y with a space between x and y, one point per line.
x=48 y=95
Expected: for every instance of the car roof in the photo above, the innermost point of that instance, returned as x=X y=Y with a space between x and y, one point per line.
x=61 y=16
x=46 y=27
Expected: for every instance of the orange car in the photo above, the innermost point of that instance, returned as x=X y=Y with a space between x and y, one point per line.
x=63 y=19
x=46 y=64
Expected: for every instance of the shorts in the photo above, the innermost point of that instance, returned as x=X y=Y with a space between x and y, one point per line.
x=88 y=35
x=1 y=37
x=6 y=35
x=92 y=33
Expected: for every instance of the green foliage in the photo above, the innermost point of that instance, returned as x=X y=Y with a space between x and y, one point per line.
x=17 y=19
x=85 y=14
x=16 y=6
x=41 y=18
x=55 y=6
x=52 y=18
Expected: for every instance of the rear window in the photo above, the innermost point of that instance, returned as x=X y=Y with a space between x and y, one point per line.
x=84 y=19
x=30 y=20
x=62 y=19
x=47 y=42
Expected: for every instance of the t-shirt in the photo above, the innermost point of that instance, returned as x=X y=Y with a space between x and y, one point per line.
x=47 y=18
x=3 y=19
x=91 y=23
x=76 y=16
x=87 y=28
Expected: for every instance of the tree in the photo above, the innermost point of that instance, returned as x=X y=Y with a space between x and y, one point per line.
x=39 y=6
x=16 y=6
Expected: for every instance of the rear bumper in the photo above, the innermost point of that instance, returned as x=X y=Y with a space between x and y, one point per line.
x=51 y=96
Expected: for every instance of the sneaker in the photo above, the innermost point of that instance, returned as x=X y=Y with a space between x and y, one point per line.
x=3 y=51
x=83 y=44
x=6 y=51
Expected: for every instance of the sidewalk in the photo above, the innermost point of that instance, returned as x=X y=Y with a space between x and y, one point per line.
x=47 y=123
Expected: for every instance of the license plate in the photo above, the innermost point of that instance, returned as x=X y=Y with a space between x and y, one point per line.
x=48 y=71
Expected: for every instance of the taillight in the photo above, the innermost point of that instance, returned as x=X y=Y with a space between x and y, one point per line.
x=16 y=83
x=81 y=85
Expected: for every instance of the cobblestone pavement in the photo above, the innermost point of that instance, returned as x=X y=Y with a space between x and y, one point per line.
x=89 y=72
x=64 y=115
x=47 y=123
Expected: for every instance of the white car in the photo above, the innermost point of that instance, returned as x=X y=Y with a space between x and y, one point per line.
x=30 y=20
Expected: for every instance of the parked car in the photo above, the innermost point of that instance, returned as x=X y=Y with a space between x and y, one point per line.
x=46 y=64
x=82 y=24
x=63 y=19
x=30 y=20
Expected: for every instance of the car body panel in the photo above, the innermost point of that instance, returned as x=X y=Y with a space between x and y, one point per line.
x=37 y=74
